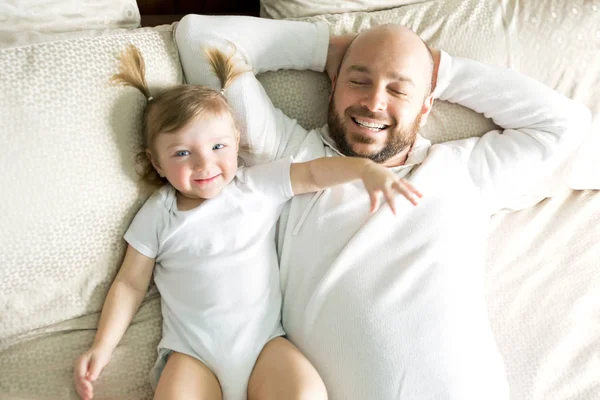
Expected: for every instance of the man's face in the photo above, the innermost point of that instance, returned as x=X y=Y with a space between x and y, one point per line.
x=377 y=105
x=358 y=132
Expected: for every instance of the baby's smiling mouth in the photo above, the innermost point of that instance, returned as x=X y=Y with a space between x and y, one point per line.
x=207 y=180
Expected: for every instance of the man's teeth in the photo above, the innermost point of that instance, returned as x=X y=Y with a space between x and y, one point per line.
x=370 y=125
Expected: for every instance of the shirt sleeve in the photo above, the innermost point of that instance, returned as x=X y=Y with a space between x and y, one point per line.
x=538 y=124
x=143 y=232
x=271 y=179
x=263 y=45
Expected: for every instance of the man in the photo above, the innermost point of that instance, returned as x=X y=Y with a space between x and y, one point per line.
x=389 y=307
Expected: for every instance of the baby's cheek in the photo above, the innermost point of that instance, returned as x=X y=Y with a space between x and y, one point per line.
x=232 y=170
x=179 y=177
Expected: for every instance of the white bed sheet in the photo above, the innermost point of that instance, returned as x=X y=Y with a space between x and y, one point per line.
x=543 y=287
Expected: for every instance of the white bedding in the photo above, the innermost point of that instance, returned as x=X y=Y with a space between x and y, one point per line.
x=543 y=300
x=24 y=22
x=543 y=288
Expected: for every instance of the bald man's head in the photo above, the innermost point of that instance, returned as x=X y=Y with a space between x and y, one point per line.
x=382 y=93
x=396 y=35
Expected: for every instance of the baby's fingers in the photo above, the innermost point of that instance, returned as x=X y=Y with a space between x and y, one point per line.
x=408 y=191
x=389 y=197
x=84 y=389
x=374 y=201
x=80 y=367
x=412 y=188
x=409 y=187
x=94 y=370
x=81 y=371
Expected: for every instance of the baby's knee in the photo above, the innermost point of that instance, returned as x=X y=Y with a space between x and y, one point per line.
x=314 y=390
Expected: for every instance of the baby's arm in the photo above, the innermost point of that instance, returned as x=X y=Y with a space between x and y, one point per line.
x=124 y=298
x=322 y=173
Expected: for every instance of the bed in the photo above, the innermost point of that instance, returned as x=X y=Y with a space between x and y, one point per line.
x=66 y=206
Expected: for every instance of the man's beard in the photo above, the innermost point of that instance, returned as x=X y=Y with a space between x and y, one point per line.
x=398 y=138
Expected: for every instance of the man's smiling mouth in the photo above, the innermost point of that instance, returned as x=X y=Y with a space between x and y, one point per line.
x=372 y=126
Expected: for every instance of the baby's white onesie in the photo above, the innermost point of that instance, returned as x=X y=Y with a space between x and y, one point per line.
x=217 y=272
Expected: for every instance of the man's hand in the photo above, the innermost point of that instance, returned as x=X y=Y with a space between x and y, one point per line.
x=337 y=48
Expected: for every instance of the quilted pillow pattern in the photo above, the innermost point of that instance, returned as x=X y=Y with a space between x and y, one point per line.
x=67 y=170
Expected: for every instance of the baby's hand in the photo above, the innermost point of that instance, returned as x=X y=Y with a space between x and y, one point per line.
x=378 y=178
x=86 y=370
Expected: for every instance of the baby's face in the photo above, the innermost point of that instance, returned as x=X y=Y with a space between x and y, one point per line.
x=200 y=159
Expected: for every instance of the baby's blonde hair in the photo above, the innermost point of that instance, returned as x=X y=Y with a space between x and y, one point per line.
x=175 y=107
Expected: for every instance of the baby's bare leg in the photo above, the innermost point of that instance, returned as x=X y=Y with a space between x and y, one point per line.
x=282 y=372
x=185 y=377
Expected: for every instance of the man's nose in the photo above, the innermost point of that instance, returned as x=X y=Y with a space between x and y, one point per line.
x=375 y=99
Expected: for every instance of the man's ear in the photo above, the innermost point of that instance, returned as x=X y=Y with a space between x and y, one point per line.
x=333 y=81
x=426 y=109
x=155 y=163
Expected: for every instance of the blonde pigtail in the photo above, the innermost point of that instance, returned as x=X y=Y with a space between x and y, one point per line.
x=223 y=66
x=132 y=71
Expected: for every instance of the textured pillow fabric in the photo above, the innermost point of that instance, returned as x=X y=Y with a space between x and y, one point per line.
x=555 y=43
x=24 y=22
x=73 y=15
x=40 y=367
x=279 y=9
x=70 y=191
x=19 y=39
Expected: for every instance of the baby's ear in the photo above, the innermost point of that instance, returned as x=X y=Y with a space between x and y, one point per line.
x=155 y=163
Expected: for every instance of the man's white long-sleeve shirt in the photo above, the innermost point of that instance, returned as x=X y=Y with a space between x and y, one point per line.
x=391 y=307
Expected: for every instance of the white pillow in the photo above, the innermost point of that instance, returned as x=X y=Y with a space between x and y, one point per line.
x=538 y=39
x=31 y=21
x=279 y=9
x=69 y=191
x=68 y=178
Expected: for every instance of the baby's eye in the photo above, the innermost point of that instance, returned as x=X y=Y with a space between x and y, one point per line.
x=182 y=153
x=218 y=146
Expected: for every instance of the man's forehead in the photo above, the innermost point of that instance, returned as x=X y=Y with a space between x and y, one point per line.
x=403 y=52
